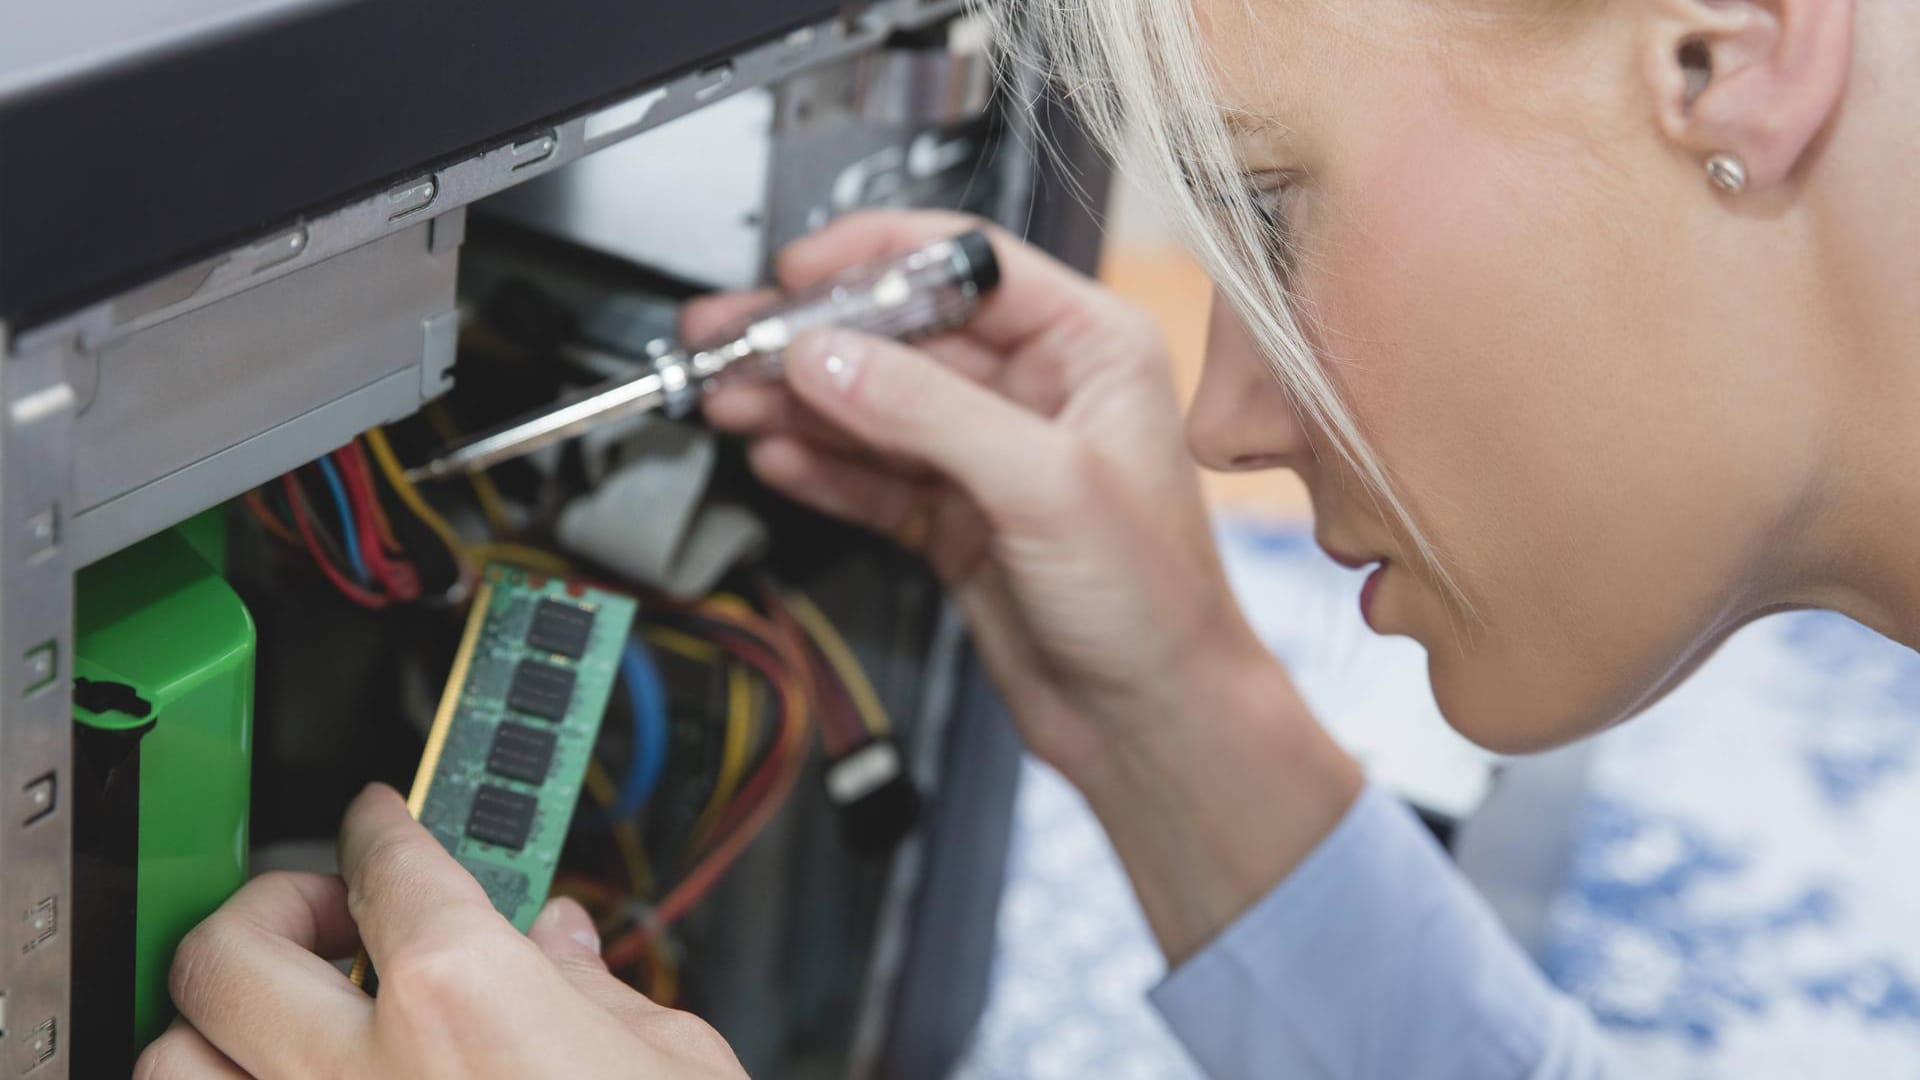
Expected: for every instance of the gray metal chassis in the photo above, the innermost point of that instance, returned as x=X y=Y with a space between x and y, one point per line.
x=170 y=398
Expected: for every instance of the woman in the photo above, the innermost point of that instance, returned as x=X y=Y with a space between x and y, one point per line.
x=1594 y=332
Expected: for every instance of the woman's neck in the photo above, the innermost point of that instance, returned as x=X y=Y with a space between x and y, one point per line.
x=1862 y=556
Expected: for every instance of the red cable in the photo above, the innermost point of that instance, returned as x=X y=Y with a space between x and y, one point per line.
x=258 y=505
x=367 y=536
x=632 y=945
x=822 y=681
x=340 y=581
x=746 y=645
x=385 y=526
x=403 y=579
x=759 y=799
x=763 y=776
x=399 y=576
x=750 y=643
x=825 y=684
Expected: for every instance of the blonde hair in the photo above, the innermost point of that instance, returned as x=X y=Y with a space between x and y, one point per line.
x=1137 y=75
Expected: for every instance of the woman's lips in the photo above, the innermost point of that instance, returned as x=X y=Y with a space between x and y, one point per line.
x=1367 y=592
x=1351 y=562
x=1355 y=562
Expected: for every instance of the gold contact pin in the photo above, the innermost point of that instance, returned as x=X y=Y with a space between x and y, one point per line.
x=442 y=722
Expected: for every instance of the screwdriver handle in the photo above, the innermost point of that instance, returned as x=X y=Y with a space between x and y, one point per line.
x=914 y=295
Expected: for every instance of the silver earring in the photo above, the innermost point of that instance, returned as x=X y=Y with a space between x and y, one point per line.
x=1727 y=172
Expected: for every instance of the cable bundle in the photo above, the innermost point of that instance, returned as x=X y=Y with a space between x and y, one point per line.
x=363 y=561
x=783 y=665
x=735 y=628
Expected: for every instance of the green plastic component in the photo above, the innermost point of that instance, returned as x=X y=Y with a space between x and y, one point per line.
x=460 y=760
x=160 y=619
x=207 y=532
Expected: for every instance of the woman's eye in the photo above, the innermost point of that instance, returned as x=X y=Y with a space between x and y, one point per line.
x=1272 y=199
x=1270 y=202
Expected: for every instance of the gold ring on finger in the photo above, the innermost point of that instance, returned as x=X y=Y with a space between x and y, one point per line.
x=912 y=531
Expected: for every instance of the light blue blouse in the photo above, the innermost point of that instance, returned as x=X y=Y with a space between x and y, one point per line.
x=1375 y=960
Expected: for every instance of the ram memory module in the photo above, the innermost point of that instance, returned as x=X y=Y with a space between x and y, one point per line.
x=510 y=744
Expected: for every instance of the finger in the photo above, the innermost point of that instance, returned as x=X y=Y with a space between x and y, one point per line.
x=837 y=486
x=249 y=980
x=755 y=409
x=964 y=355
x=403 y=888
x=884 y=501
x=706 y=316
x=690 y=1044
x=565 y=932
x=1035 y=291
x=760 y=412
x=309 y=910
x=565 y=927
x=1014 y=464
x=747 y=407
x=181 y=1053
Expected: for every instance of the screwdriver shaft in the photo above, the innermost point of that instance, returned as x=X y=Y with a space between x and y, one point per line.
x=642 y=393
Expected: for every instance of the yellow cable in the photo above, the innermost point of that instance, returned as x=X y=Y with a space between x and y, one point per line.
x=484 y=492
x=834 y=647
x=738 y=734
x=603 y=902
x=599 y=785
x=383 y=523
x=684 y=644
x=735 y=744
x=730 y=606
x=626 y=837
x=663 y=973
x=527 y=558
x=397 y=478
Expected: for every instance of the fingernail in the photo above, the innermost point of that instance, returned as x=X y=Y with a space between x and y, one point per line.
x=572 y=920
x=827 y=357
x=375 y=790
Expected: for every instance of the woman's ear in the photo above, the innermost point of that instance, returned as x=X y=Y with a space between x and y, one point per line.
x=1758 y=79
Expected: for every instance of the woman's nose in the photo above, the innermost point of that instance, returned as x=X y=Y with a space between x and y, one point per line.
x=1241 y=418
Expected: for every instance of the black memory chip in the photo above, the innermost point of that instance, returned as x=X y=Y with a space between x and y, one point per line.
x=560 y=627
x=501 y=817
x=521 y=752
x=542 y=690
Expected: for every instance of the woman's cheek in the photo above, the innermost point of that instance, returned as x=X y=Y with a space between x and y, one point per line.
x=1425 y=324
x=1400 y=276
x=1388 y=329
x=1358 y=334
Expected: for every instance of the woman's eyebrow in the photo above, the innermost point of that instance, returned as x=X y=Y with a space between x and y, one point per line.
x=1241 y=123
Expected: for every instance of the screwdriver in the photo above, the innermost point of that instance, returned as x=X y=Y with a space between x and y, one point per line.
x=908 y=296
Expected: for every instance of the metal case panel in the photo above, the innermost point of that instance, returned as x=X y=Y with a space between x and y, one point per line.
x=707 y=169
x=194 y=410
x=36 y=414
x=255 y=120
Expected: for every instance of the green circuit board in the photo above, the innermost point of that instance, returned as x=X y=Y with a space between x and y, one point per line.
x=511 y=742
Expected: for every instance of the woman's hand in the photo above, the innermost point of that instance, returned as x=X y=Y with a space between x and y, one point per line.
x=1036 y=457
x=462 y=994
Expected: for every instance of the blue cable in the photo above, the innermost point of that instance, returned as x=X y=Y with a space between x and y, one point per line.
x=352 y=538
x=648 y=697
